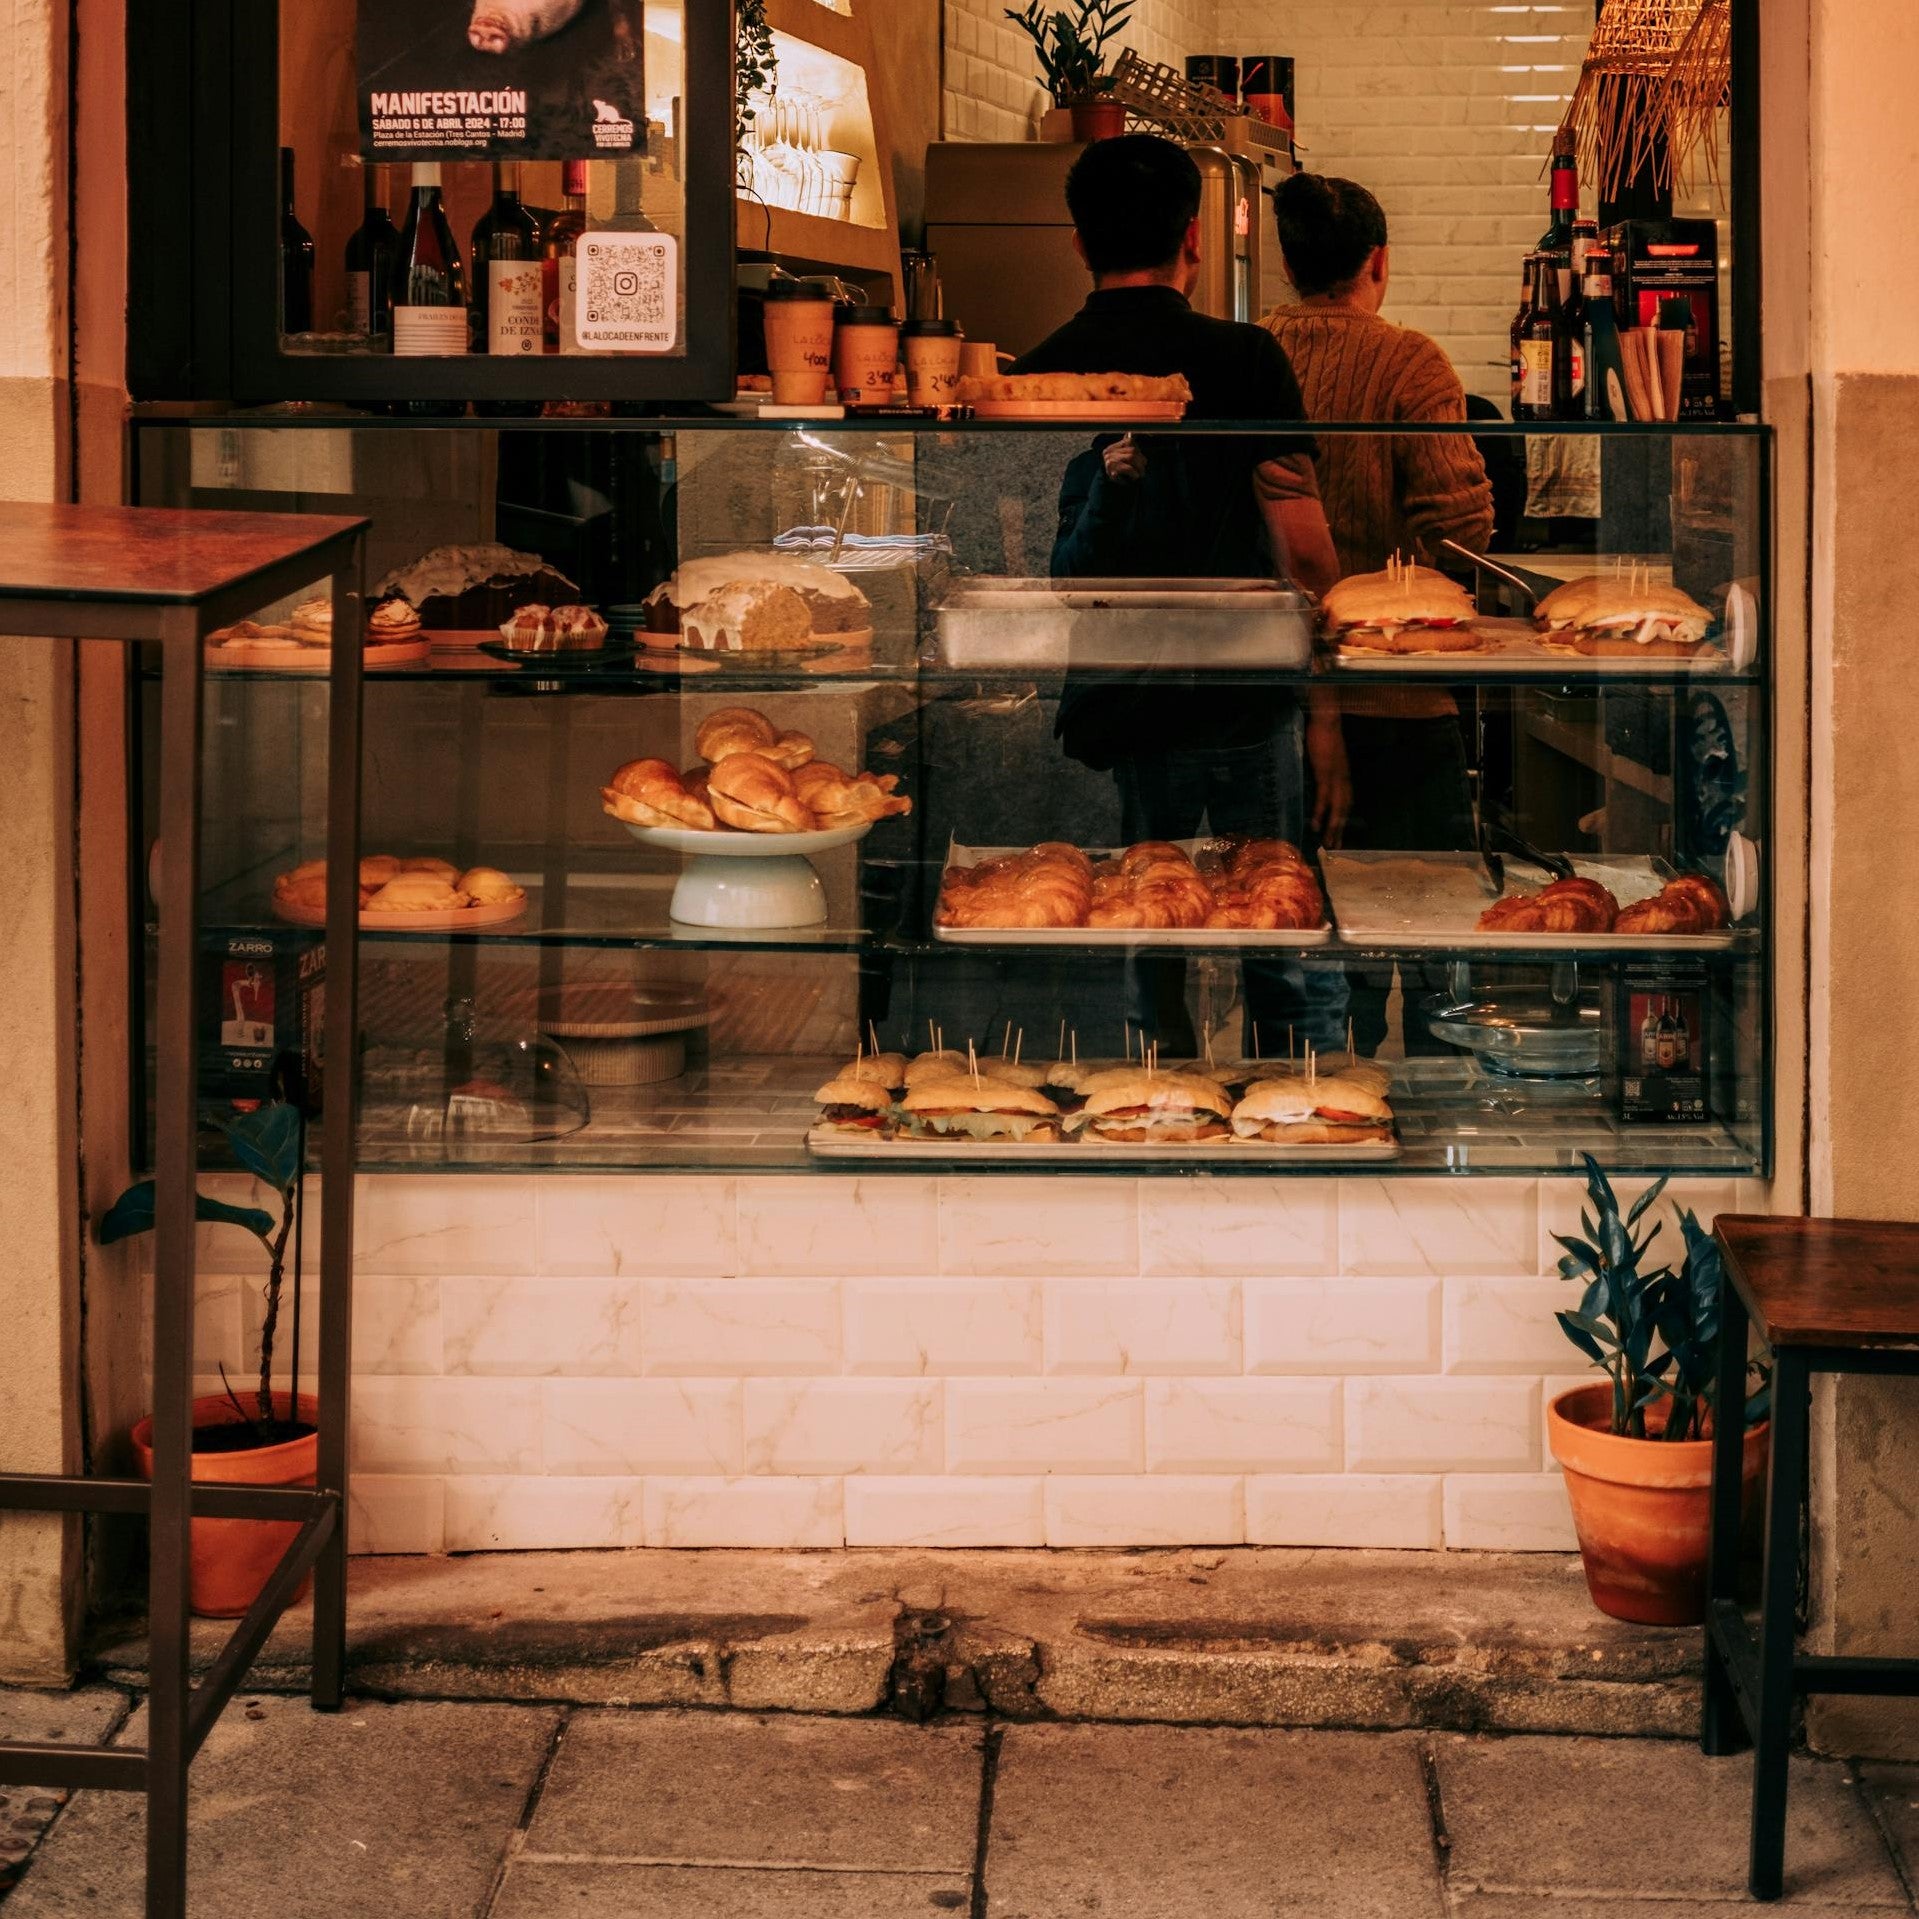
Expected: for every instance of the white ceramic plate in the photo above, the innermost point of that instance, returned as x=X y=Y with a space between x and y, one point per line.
x=728 y=844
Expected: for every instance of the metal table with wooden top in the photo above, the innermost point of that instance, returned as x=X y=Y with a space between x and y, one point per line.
x=132 y=575
x=1823 y=1296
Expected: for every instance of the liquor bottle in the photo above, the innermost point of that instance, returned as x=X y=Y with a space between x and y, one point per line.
x=372 y=256
x=1649 y=1037
x=1545 y=348
x=429 y=282
x=1605 y=370
x=296 y=258
x=629 y=204
x=1668 y=1042
x=563 y=261
x=509 y=311
x=1681 y=1039
x=1558 y=239
x=1519 y=321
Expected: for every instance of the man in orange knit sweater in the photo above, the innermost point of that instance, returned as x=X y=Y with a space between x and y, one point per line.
x=1383 y=494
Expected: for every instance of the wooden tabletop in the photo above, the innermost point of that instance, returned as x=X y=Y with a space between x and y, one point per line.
x=1826 y=1282
x=154 y=554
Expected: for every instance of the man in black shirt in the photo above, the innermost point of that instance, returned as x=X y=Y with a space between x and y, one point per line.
x=1192 y=752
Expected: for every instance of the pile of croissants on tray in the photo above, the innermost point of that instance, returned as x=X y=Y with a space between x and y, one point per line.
x=753 y=778
x=1691 y=903
x=1261 y=884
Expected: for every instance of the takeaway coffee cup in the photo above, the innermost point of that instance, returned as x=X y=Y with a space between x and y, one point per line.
x=933 y=349
x=979 y=360
x=799 y=341
x=866 y=355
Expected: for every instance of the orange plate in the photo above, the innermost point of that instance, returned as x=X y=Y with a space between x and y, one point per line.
x=468 y=919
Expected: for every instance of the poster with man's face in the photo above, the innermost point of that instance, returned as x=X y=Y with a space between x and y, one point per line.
x=501 y=79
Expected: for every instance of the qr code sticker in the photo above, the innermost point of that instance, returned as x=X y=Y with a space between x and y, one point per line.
x=628 y=292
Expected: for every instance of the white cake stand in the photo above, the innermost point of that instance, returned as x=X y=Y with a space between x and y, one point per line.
x=748 y=882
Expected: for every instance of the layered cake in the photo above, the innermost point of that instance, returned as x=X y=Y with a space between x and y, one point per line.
x=759 y=603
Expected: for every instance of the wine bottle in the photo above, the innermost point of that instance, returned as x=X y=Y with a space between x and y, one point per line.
x=1519 y=322
x=429 y=284
x=372 y=254
x=563 y=261
x=1558 y=240
x=509 y=311
x=296 y=258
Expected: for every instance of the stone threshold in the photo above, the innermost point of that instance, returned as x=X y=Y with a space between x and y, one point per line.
x=1464 y=1642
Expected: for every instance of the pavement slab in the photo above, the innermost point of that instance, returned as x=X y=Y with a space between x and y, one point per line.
x=694 y=1892
x=1148 y=1820
x=1894 y=1791
x=387 y=1810
x=731 y=1789
x=1598 y=1819
x=1253 y=1636
x=87 y=1717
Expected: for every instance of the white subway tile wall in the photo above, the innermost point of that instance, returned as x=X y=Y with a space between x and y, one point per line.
x=1446 y=111
x=992 y=86
x=968 y=1362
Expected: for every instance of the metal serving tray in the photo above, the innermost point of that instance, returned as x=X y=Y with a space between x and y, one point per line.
x=1434 y=900
x=1129 y=626
x=1196 y=1154
x=1178 y=938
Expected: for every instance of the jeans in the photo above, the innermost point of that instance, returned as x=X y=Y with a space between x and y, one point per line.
x=1257 y=790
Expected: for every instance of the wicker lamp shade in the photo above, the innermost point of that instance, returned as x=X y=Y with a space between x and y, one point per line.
x=1695 y=92
x=1614 y=107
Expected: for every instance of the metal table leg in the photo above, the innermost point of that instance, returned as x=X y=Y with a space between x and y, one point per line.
x=1772 y=1737
x=339 y=1091
x=1721 y=1728
x=176 y=1171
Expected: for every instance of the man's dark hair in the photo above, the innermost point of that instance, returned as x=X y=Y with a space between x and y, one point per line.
x=1132 y=199
x=1328 y=229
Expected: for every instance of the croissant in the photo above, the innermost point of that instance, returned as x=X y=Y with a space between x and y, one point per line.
x=757 y=796
x=790 y=750
x=1715 y=908
x=651 y=793
x=1691 y=903
x=839 y=801
x=734 y=729
x=1566 y=906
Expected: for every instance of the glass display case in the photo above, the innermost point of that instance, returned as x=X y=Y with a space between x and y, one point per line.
x=1540 y=920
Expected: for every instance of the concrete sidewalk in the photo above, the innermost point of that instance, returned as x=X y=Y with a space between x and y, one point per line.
x=432 y=1810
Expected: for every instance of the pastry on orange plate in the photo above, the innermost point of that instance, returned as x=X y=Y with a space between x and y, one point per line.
x=756 y=796
x=651 y=793
x=377 y=868
x=417 y=893
x=440 y=869
x=488 y=886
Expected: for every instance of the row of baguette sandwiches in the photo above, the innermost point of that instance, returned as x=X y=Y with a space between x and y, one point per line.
x=952 y=1096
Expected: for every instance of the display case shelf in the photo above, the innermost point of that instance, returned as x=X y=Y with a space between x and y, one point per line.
x=481 y=762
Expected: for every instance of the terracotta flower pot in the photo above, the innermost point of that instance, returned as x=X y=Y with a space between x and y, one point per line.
x=1098 y=120
x=233 y=1558
x=1641 y=1508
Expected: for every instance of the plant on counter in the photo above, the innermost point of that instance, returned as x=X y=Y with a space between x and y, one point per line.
x=1072 y=50
x=275 y=1443
x=1637 y=1450
x=756 y=70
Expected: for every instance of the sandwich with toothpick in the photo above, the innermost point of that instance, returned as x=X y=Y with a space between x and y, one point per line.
x=1403 y=609
x=1623 y=614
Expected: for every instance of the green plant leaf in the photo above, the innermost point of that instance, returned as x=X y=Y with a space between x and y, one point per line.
x=134 y=1212
x=1648 y=1198
x=266 y=1142
x=1581 y=1337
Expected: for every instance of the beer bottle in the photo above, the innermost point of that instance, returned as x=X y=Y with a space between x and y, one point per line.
x=1545 y=350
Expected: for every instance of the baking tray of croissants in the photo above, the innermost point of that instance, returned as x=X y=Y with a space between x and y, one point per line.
x=1211 y=892
x=1448 y=902
x=1265 y=893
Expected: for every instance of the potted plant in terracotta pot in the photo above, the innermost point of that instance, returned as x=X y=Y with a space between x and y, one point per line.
x=274 y=1440
x=1636 y=1447
x=1072 y=61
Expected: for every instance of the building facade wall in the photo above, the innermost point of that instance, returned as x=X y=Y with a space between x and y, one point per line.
x=819 y=1361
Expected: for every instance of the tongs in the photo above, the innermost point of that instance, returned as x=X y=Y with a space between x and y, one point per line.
x=1533 y=586
x=1496 y=841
